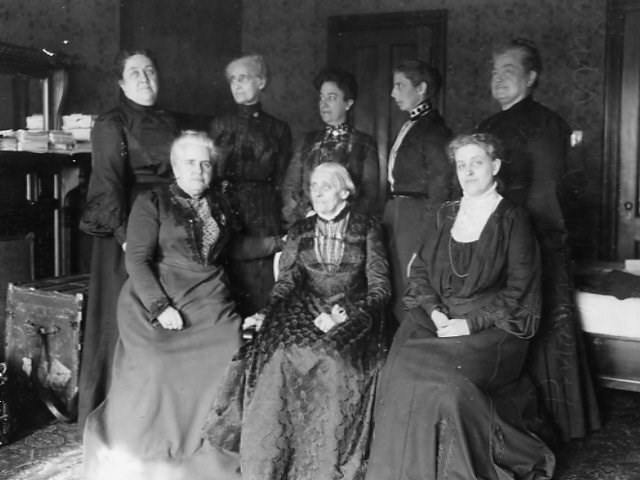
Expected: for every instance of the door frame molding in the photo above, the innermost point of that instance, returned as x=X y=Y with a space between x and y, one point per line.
x=613 y=89
x=436 y=20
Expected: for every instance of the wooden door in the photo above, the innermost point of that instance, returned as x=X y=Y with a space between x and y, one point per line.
x=621 y=211
x=369 y=46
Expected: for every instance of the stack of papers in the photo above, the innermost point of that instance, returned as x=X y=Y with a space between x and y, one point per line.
x=61 y=141
x=79 y=125
x=8 y=140
x=35 y=122
x=32 y=140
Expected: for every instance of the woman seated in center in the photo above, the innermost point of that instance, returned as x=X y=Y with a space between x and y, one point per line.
x=472 y=307
x=297 y=400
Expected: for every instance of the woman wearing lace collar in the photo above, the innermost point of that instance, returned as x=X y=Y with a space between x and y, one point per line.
x=297 y=400
x=451 y=394
x=337 y=142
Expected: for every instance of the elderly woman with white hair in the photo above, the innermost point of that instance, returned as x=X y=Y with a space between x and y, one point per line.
x=178 y=330
x=297 y=400
x=256 y=149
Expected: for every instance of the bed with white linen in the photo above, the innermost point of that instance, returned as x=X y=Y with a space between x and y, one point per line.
x=612 y=334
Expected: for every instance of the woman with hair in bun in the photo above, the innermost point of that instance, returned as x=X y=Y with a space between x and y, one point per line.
x=256 y=149
x=130 y=150
x=337 y=142
x=449 y=400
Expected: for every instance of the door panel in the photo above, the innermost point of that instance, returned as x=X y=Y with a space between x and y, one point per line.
x=369 y=46
x=628 y=208
x=621 y=201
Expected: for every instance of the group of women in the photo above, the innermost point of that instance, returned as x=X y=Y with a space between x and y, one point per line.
x=186 y=227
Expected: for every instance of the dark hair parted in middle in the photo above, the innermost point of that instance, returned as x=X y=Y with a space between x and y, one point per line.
x=486 y=141
x=123 y=55
x=345 y=81
x=417 y=72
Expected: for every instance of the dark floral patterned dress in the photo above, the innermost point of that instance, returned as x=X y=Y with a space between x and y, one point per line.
x=297 y=402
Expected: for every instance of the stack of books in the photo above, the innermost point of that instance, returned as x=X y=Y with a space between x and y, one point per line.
x=79 y=125
x=8 y=140
x=32 y=141
x=35 y=122
x=61 y=141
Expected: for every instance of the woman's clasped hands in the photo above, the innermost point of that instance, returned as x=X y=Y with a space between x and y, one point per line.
x=449 y=327
x=326 y=321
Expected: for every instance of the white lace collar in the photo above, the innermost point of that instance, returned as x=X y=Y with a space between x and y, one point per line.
x=473 y=215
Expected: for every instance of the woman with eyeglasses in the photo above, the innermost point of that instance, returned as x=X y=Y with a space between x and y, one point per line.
x=256 y=149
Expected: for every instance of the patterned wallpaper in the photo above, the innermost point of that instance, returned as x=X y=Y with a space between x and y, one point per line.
x=569 y=33
x=92 y=31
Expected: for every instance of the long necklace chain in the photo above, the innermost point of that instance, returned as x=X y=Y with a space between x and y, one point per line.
x=453 y=268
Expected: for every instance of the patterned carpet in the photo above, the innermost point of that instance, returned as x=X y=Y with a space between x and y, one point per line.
x=52 y=451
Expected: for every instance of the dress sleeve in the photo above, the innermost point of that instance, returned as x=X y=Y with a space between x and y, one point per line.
x=284 y=156
x=438 y=168
x=253 y=248
x=420 y=292
x=221 y=138
x=107 y=202
x=516 y=307
x=142 y=245
x=290 y=275
x=291 y=187
x=362 y=313
x=370 y=178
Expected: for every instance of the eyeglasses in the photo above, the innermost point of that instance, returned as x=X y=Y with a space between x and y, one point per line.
x=244 y=78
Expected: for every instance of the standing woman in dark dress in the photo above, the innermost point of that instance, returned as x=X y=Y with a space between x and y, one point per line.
x=256 y=150
x=419 y=174
x=130 y=147
x=536 y=141
x=449 y=406
x=337 y=142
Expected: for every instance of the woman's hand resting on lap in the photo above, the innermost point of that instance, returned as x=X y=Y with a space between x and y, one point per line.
x=449 y=327
x=253 y=322
x=170 y=319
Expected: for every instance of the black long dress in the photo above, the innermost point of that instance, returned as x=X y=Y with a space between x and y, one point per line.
x=421 y=176
x=449 y=408
x=297 y=402
x=536 y=141
x=342 y=144
x=130 y=146
x=164 y=381
x=256 y=152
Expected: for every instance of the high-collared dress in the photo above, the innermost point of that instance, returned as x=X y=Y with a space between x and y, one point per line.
x=536 y=142
x=297 y=402
x=130 y=153
x=420 y=180
x=256 y=150
x=164 y=381
x=342 y=144
x=450 y=407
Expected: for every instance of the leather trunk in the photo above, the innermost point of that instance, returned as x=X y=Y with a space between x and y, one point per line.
x=43 y=342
